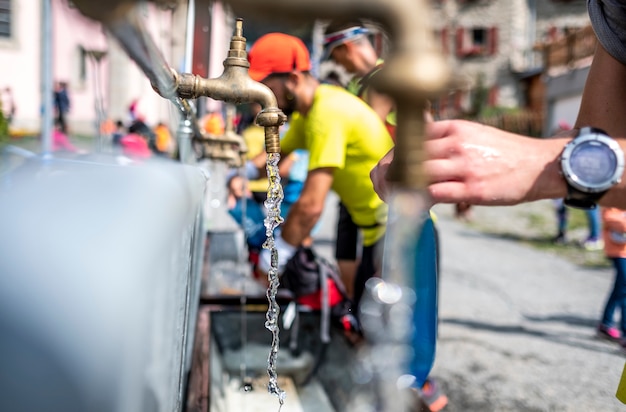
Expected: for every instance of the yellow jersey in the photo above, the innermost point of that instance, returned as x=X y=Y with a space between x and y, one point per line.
x=342 y=132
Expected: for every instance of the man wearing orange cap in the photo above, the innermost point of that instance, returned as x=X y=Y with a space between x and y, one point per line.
x=345 y=139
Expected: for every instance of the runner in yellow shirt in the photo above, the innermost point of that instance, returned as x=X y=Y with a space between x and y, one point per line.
x=345 y=139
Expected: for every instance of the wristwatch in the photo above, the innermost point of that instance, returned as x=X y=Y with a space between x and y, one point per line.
x=591 y=164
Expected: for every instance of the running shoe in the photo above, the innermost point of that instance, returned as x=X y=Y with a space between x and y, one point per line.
x=593 y=244
x=433 y=396
x=608 y=333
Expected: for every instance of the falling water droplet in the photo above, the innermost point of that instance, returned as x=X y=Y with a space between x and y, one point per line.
x=272 y=220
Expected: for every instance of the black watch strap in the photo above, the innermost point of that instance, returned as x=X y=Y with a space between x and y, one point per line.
x=580 y=200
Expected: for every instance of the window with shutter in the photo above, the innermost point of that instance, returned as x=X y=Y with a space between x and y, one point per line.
x=476 y=41
x=5 y=19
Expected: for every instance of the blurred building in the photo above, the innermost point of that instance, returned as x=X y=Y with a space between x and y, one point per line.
x=492 y=47
x=496 y=50
x=94 y=66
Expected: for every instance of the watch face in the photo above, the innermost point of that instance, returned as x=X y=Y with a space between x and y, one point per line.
x=593 y=163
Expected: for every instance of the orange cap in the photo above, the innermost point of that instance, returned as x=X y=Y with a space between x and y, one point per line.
x=277 y=53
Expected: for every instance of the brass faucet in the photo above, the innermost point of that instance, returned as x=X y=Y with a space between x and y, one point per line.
x=236 y=86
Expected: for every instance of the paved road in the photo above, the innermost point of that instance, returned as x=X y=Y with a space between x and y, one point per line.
x=517 y=325
x=517 y=328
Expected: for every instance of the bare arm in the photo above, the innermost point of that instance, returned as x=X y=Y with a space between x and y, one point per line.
x=604 y=105
x=308 y=208
x=477 y=164
x=482 y=165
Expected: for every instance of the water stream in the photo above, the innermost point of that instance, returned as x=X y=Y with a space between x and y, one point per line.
x=272 y=221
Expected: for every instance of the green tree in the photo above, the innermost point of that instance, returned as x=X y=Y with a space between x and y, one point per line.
x=4 y=128
x=480 y=96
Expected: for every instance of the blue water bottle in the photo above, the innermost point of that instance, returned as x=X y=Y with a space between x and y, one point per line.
x=424 y=338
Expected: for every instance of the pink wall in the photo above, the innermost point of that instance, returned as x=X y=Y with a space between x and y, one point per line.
x=20 y=66
x=72 y=33
x=20 y=62
x=120 y=80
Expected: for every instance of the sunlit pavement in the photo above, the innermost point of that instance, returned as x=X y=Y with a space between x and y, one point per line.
x=517 y=325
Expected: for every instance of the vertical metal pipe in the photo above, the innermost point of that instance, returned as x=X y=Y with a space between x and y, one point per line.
x=191 y=18
x=185 y=131
x=46 y=77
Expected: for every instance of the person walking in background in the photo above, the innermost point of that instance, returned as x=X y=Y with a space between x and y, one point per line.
x=614 y=233
x=594 y=221
x=561 y=221
x=7 y=104
x=559 y=206
x=593 y=241
x=61 y=104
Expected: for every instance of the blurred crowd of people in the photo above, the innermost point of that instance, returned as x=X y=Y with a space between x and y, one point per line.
x=138 y=139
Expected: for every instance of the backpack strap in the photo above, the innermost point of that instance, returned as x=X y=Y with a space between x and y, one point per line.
x=365 y=81
x=325 y=311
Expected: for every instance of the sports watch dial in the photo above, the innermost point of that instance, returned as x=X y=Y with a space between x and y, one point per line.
x=591 y=164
